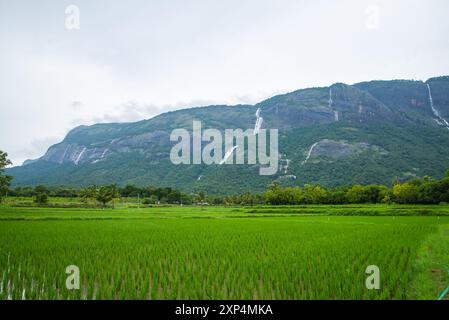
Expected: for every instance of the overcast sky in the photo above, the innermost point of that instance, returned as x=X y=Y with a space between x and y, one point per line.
x=130 y=60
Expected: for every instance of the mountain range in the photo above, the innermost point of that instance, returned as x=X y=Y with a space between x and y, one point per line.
x=368 y=132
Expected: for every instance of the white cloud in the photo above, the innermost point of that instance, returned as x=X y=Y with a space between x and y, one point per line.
x=133 y=60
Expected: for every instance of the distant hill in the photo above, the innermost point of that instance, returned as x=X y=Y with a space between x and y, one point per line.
x=368 y=132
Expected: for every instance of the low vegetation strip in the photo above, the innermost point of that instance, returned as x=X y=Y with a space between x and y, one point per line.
x=156 y=212
x=356 y=210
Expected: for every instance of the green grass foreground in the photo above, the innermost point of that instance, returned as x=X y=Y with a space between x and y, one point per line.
x=298 y=252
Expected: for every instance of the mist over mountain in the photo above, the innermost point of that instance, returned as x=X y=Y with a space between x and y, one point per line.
x=364 y=133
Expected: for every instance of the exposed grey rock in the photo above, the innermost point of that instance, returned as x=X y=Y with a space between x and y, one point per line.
x=77 y=154
x=335 y=150
x=146 y=140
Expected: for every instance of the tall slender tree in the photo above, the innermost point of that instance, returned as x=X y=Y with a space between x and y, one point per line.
x=5 y=180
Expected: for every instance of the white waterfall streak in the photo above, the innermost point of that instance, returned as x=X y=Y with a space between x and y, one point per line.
x=287 y=161
x=80 y=155
x=309 y=153
x=63 y=155
x=331 y=102
x=435 y=111
x=259 y=121
x=104 y=153
x=228 y=154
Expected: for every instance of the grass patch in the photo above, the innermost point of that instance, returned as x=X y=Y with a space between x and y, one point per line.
x=432 y=266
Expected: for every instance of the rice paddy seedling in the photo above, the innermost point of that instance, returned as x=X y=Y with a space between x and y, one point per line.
x=188 y=253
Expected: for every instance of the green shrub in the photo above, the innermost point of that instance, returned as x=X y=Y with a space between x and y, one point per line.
x=41 y=198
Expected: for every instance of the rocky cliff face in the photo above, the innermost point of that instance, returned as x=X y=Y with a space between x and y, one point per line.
x=381 y=123
x=300 y=108
x=78 y=154
x=338 y=102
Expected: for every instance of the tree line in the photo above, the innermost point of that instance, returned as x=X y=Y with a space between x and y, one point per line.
x=424 y=190
x=104 y=194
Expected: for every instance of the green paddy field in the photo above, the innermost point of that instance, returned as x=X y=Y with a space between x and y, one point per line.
x=300 y=252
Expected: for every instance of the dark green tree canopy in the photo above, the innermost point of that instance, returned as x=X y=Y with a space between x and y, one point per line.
x=5 y=180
